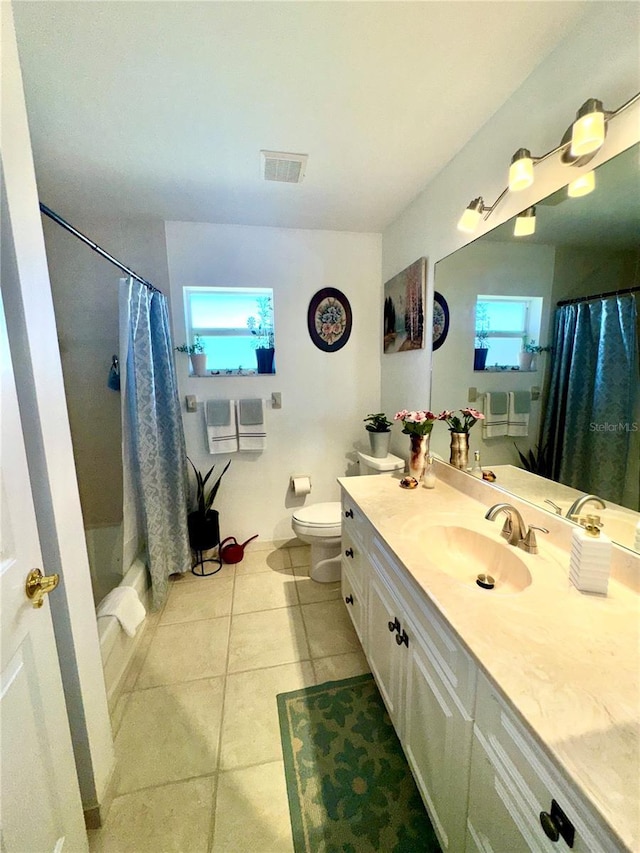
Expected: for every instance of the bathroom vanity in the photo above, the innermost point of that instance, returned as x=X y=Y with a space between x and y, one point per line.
x=517 y=707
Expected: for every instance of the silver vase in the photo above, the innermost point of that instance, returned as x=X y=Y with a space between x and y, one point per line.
x=459 y=450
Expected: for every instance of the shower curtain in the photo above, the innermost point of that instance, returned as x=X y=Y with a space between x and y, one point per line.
x=153 y=447
x=593 y=395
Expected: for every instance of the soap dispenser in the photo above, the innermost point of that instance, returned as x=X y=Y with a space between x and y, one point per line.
x=429 y=476
x=590 y=561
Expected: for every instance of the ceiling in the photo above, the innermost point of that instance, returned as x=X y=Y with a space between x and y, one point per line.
x=160 y=109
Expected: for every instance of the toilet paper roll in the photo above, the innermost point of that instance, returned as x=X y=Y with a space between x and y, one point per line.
x=301 y=486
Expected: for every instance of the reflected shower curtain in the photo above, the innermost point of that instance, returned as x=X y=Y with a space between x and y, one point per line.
x=593 y=395
x=154 y=453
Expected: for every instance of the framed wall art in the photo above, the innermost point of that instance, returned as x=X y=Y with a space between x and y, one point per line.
x=329 y=319
x=404 y=309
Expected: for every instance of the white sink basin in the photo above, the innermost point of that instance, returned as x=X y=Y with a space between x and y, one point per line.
x=464 y=554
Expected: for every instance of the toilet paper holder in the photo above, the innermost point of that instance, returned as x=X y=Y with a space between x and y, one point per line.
x=300 y=484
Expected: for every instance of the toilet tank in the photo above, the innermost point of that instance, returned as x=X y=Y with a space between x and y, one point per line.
x=387 y=465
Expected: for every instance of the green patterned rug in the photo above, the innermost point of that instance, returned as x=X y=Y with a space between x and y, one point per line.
x=349 y=785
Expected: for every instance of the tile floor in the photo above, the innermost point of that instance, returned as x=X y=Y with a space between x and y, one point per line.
x=199 y=761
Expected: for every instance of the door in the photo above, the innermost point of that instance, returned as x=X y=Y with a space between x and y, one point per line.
x=40 y=807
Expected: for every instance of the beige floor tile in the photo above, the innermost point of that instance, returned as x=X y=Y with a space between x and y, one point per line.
x=250 y=727
x=227 y=571
x=173 y=819
x=169 y=733
x=301 y=571
x=310 y=590
x=264 y=591
x=263 y=561
x=252 y=811
x=300 y=555
x=117 y=713
x=340 y=666
x=329 y=629
x=185 y=652
x=267 y=638
x=139 y=655
x=188 y=602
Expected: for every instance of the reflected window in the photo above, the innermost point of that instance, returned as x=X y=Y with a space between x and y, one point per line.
x=221 y=317
x=504 y=324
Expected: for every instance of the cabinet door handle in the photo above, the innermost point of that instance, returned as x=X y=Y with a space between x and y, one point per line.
x=348 y=553
x=402 y=638
x=548 y=824
x=395 y=625
x=557 y=824
x=348 y=513
x=349 y=599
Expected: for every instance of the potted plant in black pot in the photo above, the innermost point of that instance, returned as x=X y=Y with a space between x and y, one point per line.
x=203 y=522
x=262 y=329
x=379 y=429
x=482 y=333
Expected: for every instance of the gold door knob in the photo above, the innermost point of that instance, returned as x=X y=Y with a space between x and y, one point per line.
x=38 y=586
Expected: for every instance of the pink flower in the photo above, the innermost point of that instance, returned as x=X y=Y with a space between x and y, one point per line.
x=474 y=413
x=444 y=415
x=400 y=415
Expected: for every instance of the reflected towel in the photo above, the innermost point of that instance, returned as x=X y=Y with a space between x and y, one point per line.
x=251 y=435
x=221 y=435
x=494 y=424
x=123 y=603
x=518 y=421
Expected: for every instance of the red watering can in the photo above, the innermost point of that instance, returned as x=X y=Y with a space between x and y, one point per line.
x=233 y=552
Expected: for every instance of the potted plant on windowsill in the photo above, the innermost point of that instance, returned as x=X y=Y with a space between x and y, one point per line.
x=203 y=521
x=527 y=357
x=482 y=333
x=262 y=329
x=197 y=355
x=379 y=429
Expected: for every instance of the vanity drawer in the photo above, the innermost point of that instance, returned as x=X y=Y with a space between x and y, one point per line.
x=353 y=560
x=354 y=600
x=524 y=771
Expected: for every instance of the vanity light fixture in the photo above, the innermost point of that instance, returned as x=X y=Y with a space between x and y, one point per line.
x=578 y=146
x=583 y=185
x=525 y=223
x=588 y=130
x=521 y=170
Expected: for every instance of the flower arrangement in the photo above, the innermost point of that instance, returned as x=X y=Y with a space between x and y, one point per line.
x=416 y=423
x=463 y=424
x=377 y=423
x=196 y=348
x=263 y=330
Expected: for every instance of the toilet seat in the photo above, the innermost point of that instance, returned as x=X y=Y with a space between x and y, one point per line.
x=322 y=520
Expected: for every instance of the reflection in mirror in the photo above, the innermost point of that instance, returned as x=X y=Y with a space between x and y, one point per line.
x=583 y=247
x=235 y=327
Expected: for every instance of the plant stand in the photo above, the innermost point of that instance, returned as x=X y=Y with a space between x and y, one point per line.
x=200 y=561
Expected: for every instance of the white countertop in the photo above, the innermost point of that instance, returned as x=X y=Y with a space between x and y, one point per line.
x=568 y=662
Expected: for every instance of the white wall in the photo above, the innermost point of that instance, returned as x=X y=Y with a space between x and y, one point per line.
x=600 y=59
x=325 y=396
x=85 y=298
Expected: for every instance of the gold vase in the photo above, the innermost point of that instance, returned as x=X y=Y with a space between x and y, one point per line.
x=418 y=455
x=459 y=450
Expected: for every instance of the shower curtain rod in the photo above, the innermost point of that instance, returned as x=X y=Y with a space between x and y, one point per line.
x=56 y=218
x=597 y=296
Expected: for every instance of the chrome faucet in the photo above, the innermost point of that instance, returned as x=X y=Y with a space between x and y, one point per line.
x=578 y=504
x=514 y=529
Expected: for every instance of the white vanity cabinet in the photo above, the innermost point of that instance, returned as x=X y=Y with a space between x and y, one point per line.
x=515 y=792
x=353 y=577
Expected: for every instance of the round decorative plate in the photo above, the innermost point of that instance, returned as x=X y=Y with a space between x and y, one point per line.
x=440 y=320
x=329 y=319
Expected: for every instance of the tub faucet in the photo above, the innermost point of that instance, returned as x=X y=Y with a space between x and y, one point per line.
x=578 y=504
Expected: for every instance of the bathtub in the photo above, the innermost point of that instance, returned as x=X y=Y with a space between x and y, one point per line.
x=116 y=647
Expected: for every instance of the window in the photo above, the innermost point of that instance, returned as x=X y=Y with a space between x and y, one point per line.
x=502 y=322
x=219 y=316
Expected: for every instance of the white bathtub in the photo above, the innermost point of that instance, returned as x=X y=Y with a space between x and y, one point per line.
x=116 y=647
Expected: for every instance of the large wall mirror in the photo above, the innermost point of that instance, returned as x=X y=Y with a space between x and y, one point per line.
x=582 y=247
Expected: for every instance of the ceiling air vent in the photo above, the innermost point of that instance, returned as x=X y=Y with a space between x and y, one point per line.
x=283 y=166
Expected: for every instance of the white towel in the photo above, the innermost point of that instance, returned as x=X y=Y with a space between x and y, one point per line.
x=123 y=603
x=493 y=426
x=252 y=436
x=518 y=424
x=223 y=439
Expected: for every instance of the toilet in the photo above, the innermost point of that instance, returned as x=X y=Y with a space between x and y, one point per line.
x=320 y=525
